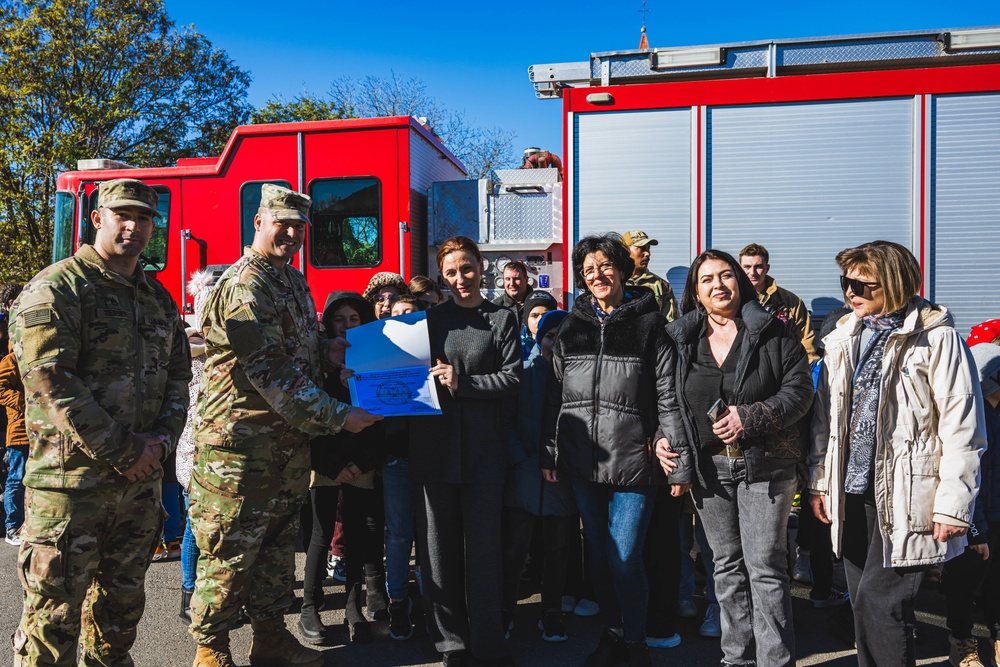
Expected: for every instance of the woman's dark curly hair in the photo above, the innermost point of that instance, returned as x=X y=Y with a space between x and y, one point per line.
x=690 y=301
x=612 y=247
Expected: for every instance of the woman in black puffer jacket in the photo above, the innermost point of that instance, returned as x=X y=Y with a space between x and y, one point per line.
x=730 y=348
x=610 y=390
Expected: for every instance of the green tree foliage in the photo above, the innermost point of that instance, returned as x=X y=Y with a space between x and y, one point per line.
x=480 y=149
x=99 y=78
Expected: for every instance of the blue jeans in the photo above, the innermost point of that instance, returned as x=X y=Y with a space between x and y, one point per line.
x=398 y=495
x=13 y=497
x=189 y=550
x=615 y=519
x=746 y=526
x=691 y=531
x=172 y=505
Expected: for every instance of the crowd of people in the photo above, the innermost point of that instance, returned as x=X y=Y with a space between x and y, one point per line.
x=601 y=443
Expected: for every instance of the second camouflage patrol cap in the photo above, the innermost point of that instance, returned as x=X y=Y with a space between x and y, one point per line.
x=122 y=192
x=285 y=204
x=638 y=238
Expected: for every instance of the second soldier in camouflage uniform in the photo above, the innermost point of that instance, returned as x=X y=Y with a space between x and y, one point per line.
x=638 y=244
x=261 y=399
x=105 y=365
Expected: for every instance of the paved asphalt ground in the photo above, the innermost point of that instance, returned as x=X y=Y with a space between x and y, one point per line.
x=164 y=642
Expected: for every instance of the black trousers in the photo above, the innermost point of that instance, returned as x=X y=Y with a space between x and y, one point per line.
x=363 y=518
x=882 y=597
x=663 y=564
x=964 y=577
x=814 y=537
x=460 y=560
x=518 y=527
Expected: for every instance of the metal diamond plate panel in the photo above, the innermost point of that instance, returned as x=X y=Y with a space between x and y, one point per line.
x=522 y=215
x=456 y=210
x=525 y=176
x=851 y=52
x=637 y=65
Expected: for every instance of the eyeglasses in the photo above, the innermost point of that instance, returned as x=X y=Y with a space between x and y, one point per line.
x=388 y=296
x=603 y=267
x=856 y=286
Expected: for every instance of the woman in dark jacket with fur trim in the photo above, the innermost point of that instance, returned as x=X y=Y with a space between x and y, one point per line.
x=611 y=388
x=739 y=363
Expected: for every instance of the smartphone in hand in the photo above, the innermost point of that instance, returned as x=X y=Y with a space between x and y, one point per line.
x=717 y=411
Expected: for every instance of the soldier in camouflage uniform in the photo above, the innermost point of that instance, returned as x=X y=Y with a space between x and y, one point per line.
x=105 y=365
x=638 y=244
x=261 y=399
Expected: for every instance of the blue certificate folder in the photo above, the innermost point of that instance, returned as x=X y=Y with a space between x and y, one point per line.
x=391 y=363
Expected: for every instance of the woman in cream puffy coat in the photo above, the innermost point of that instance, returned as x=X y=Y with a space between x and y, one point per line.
x=898 y=432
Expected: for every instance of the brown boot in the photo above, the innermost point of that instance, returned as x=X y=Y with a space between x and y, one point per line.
x=272 y=645
x=213 y=656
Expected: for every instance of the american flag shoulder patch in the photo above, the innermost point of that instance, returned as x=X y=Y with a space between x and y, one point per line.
x=37 y=316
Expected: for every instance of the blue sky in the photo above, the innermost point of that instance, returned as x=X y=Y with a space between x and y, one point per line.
x=474 y=56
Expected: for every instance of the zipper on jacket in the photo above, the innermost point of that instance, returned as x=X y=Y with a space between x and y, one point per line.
x=597 y=398
x=737 y=384
x=137 y=425
x=886 y=511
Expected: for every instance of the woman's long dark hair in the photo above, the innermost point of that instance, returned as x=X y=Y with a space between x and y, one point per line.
x=690 y=301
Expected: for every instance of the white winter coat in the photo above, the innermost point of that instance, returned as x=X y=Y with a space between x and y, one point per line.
x=930 y=433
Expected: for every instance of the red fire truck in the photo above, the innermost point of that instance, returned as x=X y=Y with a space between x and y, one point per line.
x=368 y=179
x=807 y=146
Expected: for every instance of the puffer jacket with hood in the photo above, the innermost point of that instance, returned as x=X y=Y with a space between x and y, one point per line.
x=930 y=434
x=772 y=390
x=610 y=389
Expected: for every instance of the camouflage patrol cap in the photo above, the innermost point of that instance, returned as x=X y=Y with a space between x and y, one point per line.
x=638 y=238
x=122 y=192
x=285 y=204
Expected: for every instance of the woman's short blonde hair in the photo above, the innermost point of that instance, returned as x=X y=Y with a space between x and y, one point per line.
x=889 y=264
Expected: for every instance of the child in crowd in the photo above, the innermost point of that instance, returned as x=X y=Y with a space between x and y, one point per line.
x=384 y=288
x=426 y=290
x=536 y=305
x=529 y=499
x=974 y=571
x=344 y=468
x=406 y=303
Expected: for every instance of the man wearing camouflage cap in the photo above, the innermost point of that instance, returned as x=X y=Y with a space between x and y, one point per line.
x=105 y=367
x=638 y=244
x=261 y=399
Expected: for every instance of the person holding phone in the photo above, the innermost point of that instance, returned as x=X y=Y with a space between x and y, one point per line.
x=743 y=384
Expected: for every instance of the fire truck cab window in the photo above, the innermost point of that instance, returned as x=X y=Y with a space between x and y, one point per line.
x=346 y=222
x=154 y=257
x=249 y=203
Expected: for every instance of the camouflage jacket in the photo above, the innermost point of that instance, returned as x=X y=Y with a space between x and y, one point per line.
x=263 y=375
x=790 y=309
x=102 y=359
x=661 y=290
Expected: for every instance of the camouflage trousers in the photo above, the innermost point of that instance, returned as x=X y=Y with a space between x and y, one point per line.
x=83 y=566
x=244 y=514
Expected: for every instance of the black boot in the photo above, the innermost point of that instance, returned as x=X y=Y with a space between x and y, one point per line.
x=186 y=605
x=357 y=625
x=376 y=599
x=311 y=626
x=610 y=651
x=638 y=654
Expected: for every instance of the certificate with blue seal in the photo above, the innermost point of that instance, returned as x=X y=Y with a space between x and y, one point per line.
x=391 y=360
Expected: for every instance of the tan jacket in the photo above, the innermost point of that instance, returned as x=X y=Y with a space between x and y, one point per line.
x=786 y=306
x=12 y=398
x=930 y=433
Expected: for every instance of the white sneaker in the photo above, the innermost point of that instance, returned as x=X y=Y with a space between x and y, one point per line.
x=586 y=608
x=12 y=539
x=712 y=626
x=687 y=609
x=568 y=604
x=663 y=642
x=802 y=572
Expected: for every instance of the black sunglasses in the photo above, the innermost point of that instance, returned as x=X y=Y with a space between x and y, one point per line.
x=857 y=286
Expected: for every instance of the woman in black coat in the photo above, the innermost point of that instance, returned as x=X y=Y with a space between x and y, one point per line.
x=610 y=390
x=739 y=363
